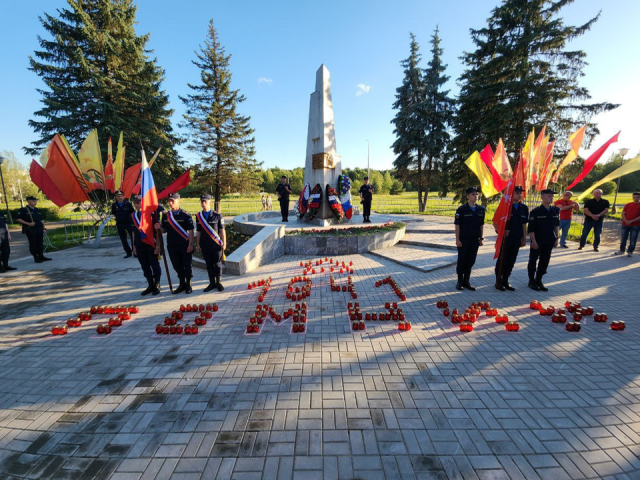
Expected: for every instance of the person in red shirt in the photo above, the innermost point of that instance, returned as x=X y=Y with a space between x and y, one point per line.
x=630 y=225
x=567 y=207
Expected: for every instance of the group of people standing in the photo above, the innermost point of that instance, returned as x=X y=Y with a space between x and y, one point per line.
x=542 y=225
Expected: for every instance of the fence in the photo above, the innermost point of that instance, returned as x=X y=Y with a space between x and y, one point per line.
x=79 y=227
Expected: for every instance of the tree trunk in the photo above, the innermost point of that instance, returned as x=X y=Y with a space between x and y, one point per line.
x=420 y=203
x=428 y=181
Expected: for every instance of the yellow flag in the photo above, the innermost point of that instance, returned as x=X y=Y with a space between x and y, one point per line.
x=90 y=161
x=575 y=139
x=631 y=166
x=477 y=166
x=118 y=166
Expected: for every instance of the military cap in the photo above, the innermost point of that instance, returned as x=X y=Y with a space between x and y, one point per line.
x=204 y=197
x=30 y=197
x=472 y=190
x=518 y=189
x=173 y=196
x=118 y=192
x=137 y=198
x=547 y=191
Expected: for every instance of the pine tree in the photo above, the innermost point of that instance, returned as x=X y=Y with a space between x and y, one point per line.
x=437 y=110
x=221 y=136
x=99 y=74
x=409 y=123
x=521 y=76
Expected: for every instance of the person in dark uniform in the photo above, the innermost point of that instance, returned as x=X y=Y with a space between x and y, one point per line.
x=5 y=248
x=211 y=240
x=469 y=225
x=515 y=237
x=122 y=211
x=147 y=255
x=33 y=226
x=544 y=222
x=366 y=197
x=178 y=225
x=284 y=190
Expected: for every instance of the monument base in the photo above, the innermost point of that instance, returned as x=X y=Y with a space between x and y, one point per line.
x=324 y=222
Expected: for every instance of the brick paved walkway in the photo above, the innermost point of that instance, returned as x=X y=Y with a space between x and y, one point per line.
x=430 y=403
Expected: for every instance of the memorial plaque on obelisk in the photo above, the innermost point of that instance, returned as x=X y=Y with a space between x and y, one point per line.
x=322 y=164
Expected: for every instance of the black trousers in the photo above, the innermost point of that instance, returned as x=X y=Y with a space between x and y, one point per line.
x=124 y=232
x=180 y=260
x=213 y=257
x=5 y=249
x=590 y=223
x=541 y=256
x=149 y=262
x=467 y=254
x=284 y=209
x=36 y=247
x=511 y=248
x=366 y=209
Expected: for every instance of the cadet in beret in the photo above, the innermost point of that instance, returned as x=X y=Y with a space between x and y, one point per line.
x=147 y=255
x=211 y=240
x=544 y=222
x=178 y=225
x=515 y=237
x=33 y=226
x=5 y=248
x=122 y=210
x=469 y=225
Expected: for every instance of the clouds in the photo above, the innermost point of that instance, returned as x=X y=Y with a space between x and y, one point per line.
x=362 y=89
x=265 y=80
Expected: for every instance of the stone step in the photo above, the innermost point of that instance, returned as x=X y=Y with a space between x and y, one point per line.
x=418 y=258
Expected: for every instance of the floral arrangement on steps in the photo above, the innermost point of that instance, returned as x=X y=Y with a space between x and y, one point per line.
x=315 y=198
x=344 y=188
x=302 y=205
x=334 y=202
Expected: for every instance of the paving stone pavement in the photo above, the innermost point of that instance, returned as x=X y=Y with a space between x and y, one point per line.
x=541 y=403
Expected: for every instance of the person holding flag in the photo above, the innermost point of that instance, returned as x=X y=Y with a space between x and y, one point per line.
x=544 y=223
x=147 y=254
x=469 y=225
x=178 y=225
x=515 y=236
x=211 y=240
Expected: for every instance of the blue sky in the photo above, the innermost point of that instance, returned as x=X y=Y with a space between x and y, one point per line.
x=278 y=45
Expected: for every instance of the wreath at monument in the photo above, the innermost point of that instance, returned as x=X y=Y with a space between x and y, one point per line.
x=314 y=201
x=302 y=205
x=344 y=187
x=334 y=202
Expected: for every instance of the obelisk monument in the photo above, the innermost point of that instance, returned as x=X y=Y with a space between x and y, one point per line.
x=322 y=164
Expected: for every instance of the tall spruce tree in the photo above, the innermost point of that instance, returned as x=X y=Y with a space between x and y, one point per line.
x=409 y=122
x=220 y=135
x=437 y=110
x=521 y=76
x=99 y=74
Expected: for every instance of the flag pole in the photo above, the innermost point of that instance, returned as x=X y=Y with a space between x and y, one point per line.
x=160 y=244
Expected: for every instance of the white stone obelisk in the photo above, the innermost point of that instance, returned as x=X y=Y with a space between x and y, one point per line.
x=322 y=163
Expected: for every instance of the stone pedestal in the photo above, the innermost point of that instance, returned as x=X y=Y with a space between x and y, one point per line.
x=322 y=163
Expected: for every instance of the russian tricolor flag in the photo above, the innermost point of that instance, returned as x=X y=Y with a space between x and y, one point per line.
x=149 y=203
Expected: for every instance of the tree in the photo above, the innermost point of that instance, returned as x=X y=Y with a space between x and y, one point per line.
x=17 y=181
x=521 y=76
x=409 y=123
x=437 y=110
x=387 y=183
x=99 y=74
x=220 y=135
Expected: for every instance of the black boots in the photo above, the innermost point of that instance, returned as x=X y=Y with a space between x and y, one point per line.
x=533 y=285
x=459 y=285
x=149 y=289
x=212 y=284
x=466 y=284
x=180 y=288
x=506 y=285
x=500 y=284
x=219 y=285
x=541 y=285
x=187 y=286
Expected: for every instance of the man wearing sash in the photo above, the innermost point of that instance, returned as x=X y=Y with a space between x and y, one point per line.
x=147 y=255
x=178 y=225
x=211 y=240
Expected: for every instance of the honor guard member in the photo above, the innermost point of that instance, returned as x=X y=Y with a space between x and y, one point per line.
x=366 y=197
x=122 y=211
x=33 y=226
x=211 y=240
x=284 y=190
x=178 y=225
x=147 y=255
x=5 y=249
x=469 y=224
x=515 y=237
x=544 y=222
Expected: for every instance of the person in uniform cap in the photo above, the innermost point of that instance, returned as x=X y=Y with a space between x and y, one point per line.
x=366 y=197
x=544 y=223
x=469 y=225
x=147 y=255
x=122 y=211
x=5 y=248
x=33 y=226
x=515 y=237
x=284 y=190
x=178 y=225
x=211 y=240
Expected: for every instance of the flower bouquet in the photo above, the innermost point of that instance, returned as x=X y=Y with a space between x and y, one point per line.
x=344 y=187
x=334 y=202
x=302 y=205
x=314 y=201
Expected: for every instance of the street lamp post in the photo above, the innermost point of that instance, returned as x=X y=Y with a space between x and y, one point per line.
x=4 y=191
x=623 y=152
x=368 y=172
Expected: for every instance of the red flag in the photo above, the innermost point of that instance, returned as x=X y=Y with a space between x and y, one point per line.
x=487 y=157
x=108 y=169
x=178 y=184
x=590 y=162
x=520 y=175
x=545 y=174
x=43 y=182
x=130 y=179
x=503 y=212
x=63 y=171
